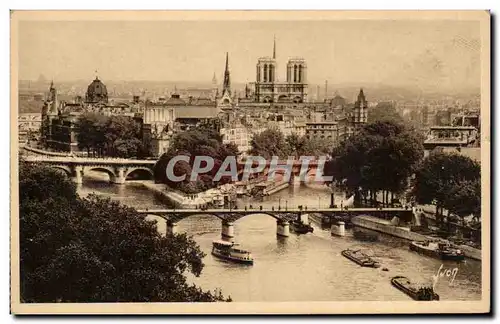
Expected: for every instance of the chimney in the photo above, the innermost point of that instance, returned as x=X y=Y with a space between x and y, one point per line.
x=326 y=90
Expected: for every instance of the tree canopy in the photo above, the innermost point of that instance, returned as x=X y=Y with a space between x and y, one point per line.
x=202 y=141
x=381 y=156
x=451 y=181
x=97 y=250
x=116 y=136
x=272 y=142
x=384 y=111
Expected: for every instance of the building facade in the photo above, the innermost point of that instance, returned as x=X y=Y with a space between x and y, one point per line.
x=59 y=119
x=325 y=130
x=28 y=127
x=158 y=127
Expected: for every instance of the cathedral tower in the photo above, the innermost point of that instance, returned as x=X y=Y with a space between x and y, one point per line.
x=266 y=78
x=296 y=71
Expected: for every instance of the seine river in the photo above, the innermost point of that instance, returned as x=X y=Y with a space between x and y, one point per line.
x=301 y=268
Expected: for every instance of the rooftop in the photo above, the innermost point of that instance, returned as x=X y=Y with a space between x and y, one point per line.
x=196 y=111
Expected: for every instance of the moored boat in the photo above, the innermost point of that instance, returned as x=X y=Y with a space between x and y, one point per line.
x=440 y=250
x=413 y=290
x=229 y=251
x=360 y=258
x=300 y=227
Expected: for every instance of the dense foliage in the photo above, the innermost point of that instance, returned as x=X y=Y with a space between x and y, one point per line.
x=272 y=142
x=384 y=111
x=95 y=250
x=380 y=157
x=202 y=141
x=269 y=143
x=451 y=181
x=114 y=136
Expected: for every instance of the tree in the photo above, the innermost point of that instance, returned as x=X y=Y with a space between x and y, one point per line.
x=464 y=198
x=441 y=176
x=384 y=111
x=304 y=146
x=380 y=157
x=97 y=250
x=202 y=141
x=116 y=136
x=296 y=144
x=91 y=132
x=269 y=143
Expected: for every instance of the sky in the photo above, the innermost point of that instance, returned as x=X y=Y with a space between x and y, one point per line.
x=430 y=53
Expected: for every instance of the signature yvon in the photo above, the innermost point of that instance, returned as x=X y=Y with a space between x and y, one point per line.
x=448 y=273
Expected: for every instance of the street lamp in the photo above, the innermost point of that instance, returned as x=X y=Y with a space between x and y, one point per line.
x=286 y=204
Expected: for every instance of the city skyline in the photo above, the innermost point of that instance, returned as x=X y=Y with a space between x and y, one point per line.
x=422 y=54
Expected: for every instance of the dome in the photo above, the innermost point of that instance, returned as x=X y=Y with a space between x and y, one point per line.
x=96 y=92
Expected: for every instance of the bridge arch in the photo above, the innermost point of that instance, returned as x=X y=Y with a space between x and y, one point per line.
x=140 y=171
x=109 y=171
x=256 y=212
x=65 y=169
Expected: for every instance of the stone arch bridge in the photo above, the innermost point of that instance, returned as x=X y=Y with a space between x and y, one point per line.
x=283 y=216
x=117 y=169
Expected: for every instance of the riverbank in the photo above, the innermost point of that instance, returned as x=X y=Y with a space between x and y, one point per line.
x=386 y=227
x=169 y=197
x=273 y=187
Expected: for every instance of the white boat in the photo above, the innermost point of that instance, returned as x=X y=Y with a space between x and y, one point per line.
x=229 y=251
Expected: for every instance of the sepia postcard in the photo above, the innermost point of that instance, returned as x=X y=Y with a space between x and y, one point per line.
x=250 y=162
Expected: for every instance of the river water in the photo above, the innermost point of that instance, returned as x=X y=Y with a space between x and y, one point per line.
x=301 y=268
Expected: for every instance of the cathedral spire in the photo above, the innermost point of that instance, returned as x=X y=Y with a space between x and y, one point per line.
x=274 y=47
x=227 y=81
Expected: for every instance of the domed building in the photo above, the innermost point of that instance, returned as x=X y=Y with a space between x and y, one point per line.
x=96 y=92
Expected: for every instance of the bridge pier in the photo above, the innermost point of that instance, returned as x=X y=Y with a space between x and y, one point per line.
x=119 y=176
x=283 y=228
x=339 y=229
x=227 y=233
x=77 y=174
x=171 y=228
x=295 y=180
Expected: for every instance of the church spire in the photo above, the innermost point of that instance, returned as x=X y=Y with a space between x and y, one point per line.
x=361 y=96
x=274 y=48
x=227 y=81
